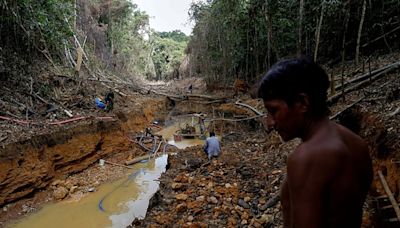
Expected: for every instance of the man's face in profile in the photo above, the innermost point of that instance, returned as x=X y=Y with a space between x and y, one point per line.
x=286 y=120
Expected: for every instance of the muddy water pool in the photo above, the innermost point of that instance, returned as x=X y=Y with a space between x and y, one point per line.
x=115 y=204
x=178 y=123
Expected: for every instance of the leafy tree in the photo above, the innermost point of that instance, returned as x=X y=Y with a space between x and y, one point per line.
x=242 y=38
x=168 y=52
x=36 y=24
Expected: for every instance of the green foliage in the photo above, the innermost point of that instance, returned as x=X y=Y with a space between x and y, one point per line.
x=233 y=38
x=127 y=29
x=42 y=24
x=168 y=52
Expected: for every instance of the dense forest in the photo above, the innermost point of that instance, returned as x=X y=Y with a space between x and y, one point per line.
x=231 y=39
x=243 y=38
x=113 y=34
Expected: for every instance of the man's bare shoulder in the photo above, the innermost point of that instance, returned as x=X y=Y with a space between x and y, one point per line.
x=318 y=151
x=324 y=151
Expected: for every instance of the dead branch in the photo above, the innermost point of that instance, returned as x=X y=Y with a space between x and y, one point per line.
x=363 y=77
x=210 y=102
x=380 y=37
x=203 y=96
x=250 y=107
x=136 y=160
x=346 y=108
x=115 y=164
x=3 y=138
x=168 y=95
x=394 y=113
x=390 y=195
x=237 y=120
x=114 y=89
x=14 y=120
x=387 y=69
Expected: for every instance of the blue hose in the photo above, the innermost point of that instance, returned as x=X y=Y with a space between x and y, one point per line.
x=130 y=178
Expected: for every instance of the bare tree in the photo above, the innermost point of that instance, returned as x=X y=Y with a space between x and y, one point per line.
x=318 y=31
x=364 y=6
x=301 y=13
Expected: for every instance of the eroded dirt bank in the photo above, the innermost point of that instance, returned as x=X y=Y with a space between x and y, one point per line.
x=49 y=167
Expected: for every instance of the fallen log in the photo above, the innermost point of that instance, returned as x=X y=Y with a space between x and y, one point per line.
x=380 y=37
x=136 y=160
x=237 y=120
x=169 y=95
x=115 y=164
x=394 y=113
x=336 y=97
x=389 y=194
x=249 y=107
x=346 y=108
x=155 y=152
x=367 y=75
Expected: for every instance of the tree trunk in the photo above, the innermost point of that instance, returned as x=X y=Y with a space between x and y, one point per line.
x=346 y=23
x=301 y=13
x=360 y=31
x=318 y=31
x=110 y=29
x=268 y=34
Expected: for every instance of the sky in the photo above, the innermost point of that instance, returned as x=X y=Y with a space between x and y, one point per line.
x=167 y=15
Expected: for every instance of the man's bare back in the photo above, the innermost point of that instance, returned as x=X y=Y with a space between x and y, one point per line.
x=329 y=173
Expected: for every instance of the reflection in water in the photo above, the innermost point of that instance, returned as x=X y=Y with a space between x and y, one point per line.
x=123 y=201
x=149 y=181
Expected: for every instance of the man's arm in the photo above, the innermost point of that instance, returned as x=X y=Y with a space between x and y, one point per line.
x=206 y=147
x=308 y=175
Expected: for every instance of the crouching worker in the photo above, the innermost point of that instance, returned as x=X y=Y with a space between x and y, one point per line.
x=330 y=172
x=212 y=148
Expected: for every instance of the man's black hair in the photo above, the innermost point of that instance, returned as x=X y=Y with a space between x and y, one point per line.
x=212 y=134
x=288 y=78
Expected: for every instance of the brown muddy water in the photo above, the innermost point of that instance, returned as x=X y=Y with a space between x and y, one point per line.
x=114 y=204
x=168 y=132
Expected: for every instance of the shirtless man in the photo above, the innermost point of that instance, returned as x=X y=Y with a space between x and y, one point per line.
x=330 y=172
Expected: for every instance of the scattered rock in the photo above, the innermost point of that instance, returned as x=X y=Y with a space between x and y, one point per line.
x=181 y=197
x=190 y=218
x=265 y=218
x=176 y=186
x=181 y=208
x=243 y=204
x=212 y=199
x=60 y=193
x=91 y=189
x=245 y=216
x=73 y=189
x=200 y=198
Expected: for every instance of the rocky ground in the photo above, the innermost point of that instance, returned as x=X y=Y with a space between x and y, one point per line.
x=239 y=188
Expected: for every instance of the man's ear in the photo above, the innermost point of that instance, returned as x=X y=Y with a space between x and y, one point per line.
x=304 y=102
